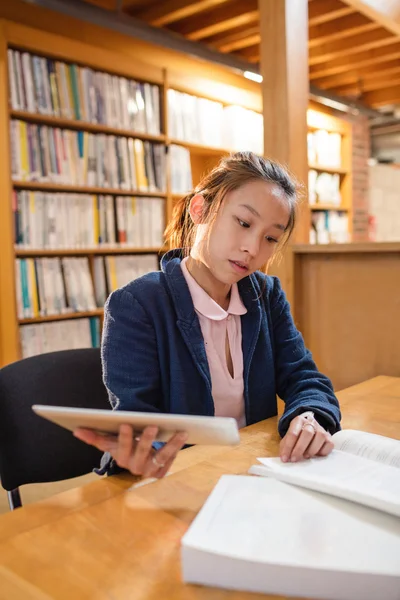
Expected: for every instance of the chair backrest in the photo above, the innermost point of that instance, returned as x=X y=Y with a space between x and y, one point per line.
x=33 y=450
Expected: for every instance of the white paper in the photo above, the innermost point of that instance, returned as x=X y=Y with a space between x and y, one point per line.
x=369 y=445
x=340 y=474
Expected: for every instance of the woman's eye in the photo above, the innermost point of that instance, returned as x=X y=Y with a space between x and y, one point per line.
x=271 y=240
x=243 y=223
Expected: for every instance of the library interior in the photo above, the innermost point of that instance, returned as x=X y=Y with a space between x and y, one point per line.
x=112 y=112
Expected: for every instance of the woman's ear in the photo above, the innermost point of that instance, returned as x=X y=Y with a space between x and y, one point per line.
x=196 y=208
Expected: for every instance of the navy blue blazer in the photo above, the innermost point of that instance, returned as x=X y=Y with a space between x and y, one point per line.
x=154 y=356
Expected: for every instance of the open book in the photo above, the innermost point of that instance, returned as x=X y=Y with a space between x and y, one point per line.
x=363 y=468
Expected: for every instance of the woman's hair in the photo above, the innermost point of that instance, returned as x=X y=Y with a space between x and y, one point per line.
x=231 y=173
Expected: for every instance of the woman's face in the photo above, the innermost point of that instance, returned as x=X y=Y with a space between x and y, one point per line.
x=246 y=231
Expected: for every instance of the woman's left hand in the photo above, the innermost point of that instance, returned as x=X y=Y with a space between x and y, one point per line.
x=305 y=438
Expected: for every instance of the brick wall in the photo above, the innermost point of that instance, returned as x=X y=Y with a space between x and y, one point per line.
x=361 y=154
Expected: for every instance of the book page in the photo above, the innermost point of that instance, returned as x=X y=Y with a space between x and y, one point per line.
x=368 y=445
x=340 y=474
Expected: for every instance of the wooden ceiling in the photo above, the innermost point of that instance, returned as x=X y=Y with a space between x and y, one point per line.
x=354 y=45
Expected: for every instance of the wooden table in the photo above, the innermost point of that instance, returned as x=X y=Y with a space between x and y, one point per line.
x=112 y=540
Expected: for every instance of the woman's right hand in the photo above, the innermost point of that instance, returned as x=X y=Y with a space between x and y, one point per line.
x=136 y=454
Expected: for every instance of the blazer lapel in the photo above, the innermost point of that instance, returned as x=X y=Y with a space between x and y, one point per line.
x=187 y=322
x=251 y=324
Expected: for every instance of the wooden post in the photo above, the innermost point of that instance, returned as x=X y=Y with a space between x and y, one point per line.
x=9 y=341
x=284 y=67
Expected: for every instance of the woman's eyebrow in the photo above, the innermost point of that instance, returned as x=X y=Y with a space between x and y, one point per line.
x=257 y=214
x=251 y=209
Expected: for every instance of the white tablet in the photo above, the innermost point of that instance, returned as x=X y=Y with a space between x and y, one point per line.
x=201 y=430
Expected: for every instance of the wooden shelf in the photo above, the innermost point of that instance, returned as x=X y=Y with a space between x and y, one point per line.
x=328 y=207
x=59 y=187
x=23 y=253
x=352 y=248
x=199 y=149
x=332 y=170
x=77 y=315
x=83 y=126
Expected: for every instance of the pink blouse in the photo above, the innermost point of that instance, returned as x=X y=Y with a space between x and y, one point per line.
x=216 y=325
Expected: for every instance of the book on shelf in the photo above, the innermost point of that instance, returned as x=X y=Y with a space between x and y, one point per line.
x=181 y=170
x=305 y=529
x=324 y=188
x=53 y=286
x=52 y=155
x=45 y=220
x=112 y=272
x=329 y=226
x=60 y=335
x=69 y=91
x=61 y=286
x=209 y=123
x=324 y=148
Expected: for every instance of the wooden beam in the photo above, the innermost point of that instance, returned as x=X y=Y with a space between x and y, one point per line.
x=358 y=89
x=221 y=19
x=390 y=95
x=354 y=60
x=164 y=13
x=328 y=31
x=339 y=29
x=362 y=41
x=349 y=77
x=384 y=12
x=284 y=51
x=321 y=11
x=252 y=53
x=228 y=42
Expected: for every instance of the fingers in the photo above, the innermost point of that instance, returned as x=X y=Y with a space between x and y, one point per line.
x=290 y=440
x=159 y=463
x=143 y=452
x=320 y=439
x=326 y=448
x=304 y=440
x=105 y=443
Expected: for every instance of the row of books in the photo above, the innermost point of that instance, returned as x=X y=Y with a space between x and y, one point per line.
x=49 y=87
x=201 y=121
x=58 y=286
x=329 y=227
x=53 y=286
x=181 y=170
x=44 y=220
x=62 y=156
x=60 y=335
x=113 y=272
x=324 y=148
x=324 y=188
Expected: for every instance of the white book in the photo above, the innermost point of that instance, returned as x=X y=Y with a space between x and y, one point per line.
x=363 y=468
x=262 y=535
x=20 y=84
x=157 y=221
x=12 y=81
x=100 y=287
x=155 y=92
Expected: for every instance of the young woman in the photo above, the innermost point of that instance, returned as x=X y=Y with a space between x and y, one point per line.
x=210 y=334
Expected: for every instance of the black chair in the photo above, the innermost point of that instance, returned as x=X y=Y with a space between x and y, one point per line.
x=32 y=449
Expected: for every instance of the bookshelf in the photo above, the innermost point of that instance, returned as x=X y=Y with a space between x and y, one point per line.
x=235 y=96
x=56 y=184
x=330 y=177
